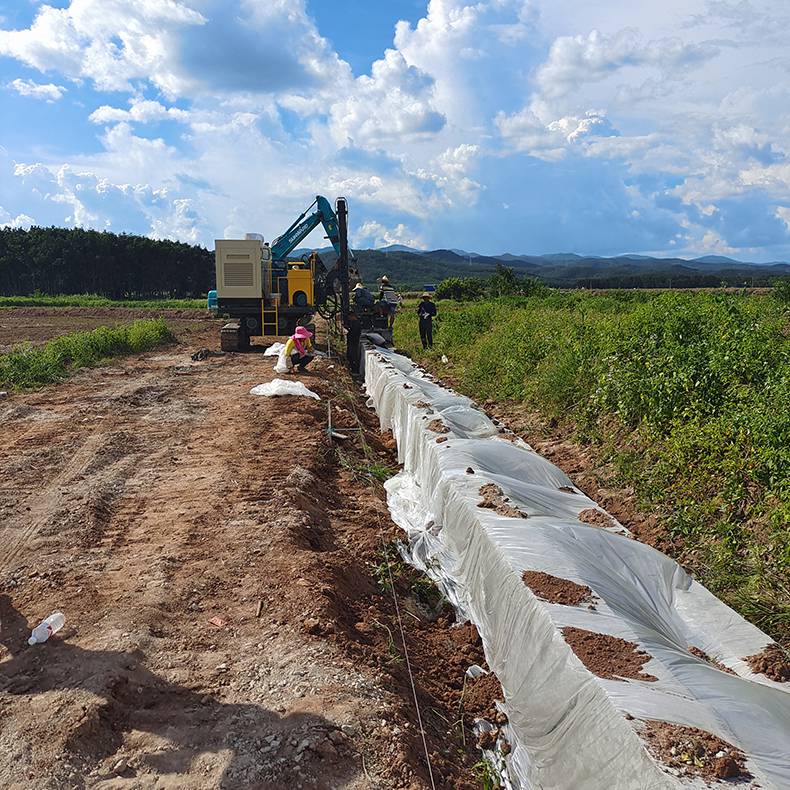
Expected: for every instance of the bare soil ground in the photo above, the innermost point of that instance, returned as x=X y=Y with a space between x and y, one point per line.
x=221 y=576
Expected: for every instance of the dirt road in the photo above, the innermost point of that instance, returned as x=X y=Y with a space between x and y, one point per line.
x=220 y=571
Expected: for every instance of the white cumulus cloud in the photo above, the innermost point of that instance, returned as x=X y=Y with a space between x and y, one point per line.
x=49 y=92
x=374 y=234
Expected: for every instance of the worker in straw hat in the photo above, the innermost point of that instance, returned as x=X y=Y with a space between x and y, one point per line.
x=298 y=350
x=363 y=298
x=388 y=300
x=426 y=310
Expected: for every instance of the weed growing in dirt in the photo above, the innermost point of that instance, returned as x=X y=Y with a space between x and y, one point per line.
x=29 y=367
x=687 y=394
x=485 y=774
x=389 y=562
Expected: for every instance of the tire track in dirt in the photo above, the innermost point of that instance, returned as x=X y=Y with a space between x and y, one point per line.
x=39 y=507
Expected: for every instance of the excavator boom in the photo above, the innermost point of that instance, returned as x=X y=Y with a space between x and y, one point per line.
x=306 y=223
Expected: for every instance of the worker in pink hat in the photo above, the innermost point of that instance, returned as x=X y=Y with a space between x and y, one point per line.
x=298 y=350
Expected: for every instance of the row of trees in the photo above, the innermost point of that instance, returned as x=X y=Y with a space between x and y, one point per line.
x=74 y=260
x=506 y=282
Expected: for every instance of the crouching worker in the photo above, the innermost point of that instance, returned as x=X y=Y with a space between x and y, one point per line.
x=298 y=350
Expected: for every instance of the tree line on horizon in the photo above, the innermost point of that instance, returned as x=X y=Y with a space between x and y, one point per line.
x=119 y=266
x=54 y=261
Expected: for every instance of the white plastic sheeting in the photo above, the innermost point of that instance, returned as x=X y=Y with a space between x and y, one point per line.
x=274 y=350
x=283 y=387
x=568 y=725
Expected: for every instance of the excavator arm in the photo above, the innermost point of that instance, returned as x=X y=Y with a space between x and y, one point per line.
x=304 y=224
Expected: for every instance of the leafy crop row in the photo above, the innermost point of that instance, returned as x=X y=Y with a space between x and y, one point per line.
x=687 y=394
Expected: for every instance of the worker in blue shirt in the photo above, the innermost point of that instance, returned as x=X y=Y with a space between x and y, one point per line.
x=426 y=310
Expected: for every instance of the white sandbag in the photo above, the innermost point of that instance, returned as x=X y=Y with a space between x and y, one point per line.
x=274 y=350
x=568 y=727
x=283 y=387
x=283 y=364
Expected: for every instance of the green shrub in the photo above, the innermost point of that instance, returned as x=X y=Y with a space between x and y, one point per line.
x=33 y=366
x=462 y=289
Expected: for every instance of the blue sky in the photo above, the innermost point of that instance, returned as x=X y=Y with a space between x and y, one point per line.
x=495 y=125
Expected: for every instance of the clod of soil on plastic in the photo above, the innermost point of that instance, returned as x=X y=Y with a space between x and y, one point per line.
x=693 y=752
x=607 y=656
x=695 y=651
x=441 y=440
x=437 y=426
x=480 y=695
x=421 y=404
x=494 y=499
x=556 y=590
x=773 y=662
x=596 y=518
x=567 y=490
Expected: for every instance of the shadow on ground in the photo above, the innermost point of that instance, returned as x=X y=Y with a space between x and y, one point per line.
x=137 y=700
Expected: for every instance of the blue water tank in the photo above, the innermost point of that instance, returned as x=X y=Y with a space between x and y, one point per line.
x=212 y=300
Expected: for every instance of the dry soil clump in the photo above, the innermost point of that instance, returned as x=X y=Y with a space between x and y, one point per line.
x=694 y=752
x=771 y=662
x=607 y=656
x=596 y=518
x=437 y=426
x=494 y=499
x=556 y=590
x=695 y=651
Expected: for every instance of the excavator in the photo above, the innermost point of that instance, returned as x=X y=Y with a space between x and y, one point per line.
x=263 y=292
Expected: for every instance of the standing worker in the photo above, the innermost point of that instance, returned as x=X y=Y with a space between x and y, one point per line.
x=298 y=348
x=389 y=300
x=353 y=335
x=426 y=310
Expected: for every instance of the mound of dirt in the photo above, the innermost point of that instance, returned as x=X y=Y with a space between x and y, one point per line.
x=595 y=517
x=695 y=651
x=437 y=426
x=772 y=662
x=494 y=499
x=694 y=752
x=556 y=590
x=607 y=656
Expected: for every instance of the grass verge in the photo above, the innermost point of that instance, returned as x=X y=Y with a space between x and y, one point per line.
x=687 y=395
x=28 y=367
x=92 y=300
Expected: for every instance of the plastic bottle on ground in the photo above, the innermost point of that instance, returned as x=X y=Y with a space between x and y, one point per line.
x=46 y=628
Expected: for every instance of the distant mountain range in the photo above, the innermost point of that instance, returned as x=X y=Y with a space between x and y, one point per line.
x=409 y=267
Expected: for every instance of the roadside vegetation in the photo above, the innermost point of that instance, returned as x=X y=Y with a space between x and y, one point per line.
x=687 y=395
x=94 y=300
x=28 y=367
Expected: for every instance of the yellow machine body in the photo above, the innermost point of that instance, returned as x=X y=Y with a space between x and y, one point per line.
x=300 y=284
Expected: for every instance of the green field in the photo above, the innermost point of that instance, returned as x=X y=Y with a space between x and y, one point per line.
x=687 y=395
x=28 y=367
x=91 y=300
